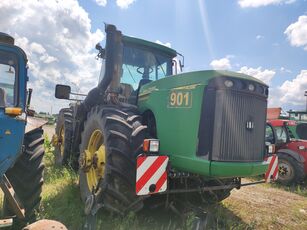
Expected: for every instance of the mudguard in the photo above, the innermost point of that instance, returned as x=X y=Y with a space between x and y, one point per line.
x=34 y=123
x=292 y=154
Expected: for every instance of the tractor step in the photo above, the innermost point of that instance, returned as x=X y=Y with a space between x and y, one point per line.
x=11 y=196
x=6 y=222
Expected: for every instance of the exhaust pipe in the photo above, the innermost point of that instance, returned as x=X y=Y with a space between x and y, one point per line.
x=111 y=80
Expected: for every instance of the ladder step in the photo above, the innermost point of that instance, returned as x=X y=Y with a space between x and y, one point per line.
x=6 y=222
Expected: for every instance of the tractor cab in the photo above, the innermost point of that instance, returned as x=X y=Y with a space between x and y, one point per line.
x=142 y=62
x=13 y=74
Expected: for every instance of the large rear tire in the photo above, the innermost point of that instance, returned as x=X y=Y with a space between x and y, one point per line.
x=63 y=131
x=113 y=138
x=290 y=171
x=26 y=176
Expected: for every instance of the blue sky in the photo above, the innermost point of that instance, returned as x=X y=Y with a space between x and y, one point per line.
x=263 y=38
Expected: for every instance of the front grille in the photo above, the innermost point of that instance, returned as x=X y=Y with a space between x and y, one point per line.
x=232 y=126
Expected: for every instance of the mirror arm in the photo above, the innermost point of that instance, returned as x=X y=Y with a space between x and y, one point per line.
x=29 y=98
x=79 y=94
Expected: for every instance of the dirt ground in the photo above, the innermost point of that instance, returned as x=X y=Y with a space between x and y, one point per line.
x=267 y=207
x=49 y=130
x=259 y=206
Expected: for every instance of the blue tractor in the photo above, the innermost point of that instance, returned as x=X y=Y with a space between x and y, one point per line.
x=21 y=138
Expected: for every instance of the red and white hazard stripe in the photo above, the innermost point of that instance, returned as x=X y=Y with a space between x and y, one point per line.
x=272 y=172
x=151 y=174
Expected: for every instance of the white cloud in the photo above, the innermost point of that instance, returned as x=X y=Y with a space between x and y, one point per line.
x=124 y=4
x=167 y=44
x=221 y=64
x=258 y=37
x=259 y=3
x=57 y=37
x=297 y=32
x=292 y=92
x=265 y=75
x=101 y=2
x=285 y=70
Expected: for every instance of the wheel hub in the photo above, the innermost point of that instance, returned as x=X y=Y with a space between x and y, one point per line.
x=92 y=160
x=285 y=170
x=61 y=140
x=55 y=140
x=85 y=161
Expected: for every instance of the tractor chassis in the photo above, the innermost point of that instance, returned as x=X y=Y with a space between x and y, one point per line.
x=92 y=206
x=236 y=185
x=202 y=214
x=10 y=194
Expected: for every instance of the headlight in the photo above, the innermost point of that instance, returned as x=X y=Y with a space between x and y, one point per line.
x=151 y=145
x=301 y=147
x=228 y=83
x=251 y=87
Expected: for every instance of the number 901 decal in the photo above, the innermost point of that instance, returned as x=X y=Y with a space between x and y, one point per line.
x=180 y=99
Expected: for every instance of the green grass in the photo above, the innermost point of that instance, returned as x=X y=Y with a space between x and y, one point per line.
x=61 y=201
x=298 y=189
x=60 y=197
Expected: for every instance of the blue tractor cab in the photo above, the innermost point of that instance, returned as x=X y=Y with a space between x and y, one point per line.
x=21 y=137
x=13 y=77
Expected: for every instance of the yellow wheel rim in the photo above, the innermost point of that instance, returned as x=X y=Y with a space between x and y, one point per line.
x=62 y=140
x=95 y=159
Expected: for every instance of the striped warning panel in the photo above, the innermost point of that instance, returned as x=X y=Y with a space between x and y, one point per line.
x=272 y=172
x=151 y=174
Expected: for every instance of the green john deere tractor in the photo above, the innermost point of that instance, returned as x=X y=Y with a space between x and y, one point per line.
x=146 y=129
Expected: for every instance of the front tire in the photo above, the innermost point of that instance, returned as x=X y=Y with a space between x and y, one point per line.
x=110 y=142
x=26 y=176
x=63 y=131
x=290 y=171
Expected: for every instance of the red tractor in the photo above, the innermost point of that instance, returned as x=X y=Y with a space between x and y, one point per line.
x=292 y=153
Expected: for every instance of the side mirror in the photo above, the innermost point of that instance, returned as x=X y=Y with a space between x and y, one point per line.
x=62 y=91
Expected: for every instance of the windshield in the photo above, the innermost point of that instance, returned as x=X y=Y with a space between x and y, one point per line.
x=8 y=66
x=141 y=63
x=281 y=134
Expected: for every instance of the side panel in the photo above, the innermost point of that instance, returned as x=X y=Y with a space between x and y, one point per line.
x=176 y=103
x=11 y=137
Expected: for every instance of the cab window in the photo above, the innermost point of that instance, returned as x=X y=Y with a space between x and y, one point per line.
x=8 y=65
x=140 y=63
x=269 y=134
x=281 y=134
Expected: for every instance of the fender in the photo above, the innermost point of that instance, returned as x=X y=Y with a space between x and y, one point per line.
x=292 y=154
x=34 y=123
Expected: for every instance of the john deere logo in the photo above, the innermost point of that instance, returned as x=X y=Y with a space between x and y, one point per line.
x=250 y=125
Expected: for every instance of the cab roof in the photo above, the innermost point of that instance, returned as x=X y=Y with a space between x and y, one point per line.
x=281 y=122
x=137 y=41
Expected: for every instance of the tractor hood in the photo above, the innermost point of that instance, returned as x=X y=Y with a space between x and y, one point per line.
x=195 y=78
x=210 y=122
